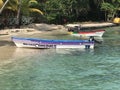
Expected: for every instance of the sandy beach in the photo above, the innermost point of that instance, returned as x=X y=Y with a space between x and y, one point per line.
x=7 y=47
x=45 y=29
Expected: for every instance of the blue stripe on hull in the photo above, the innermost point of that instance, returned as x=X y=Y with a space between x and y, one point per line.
x=54 y=41
x=44 y=43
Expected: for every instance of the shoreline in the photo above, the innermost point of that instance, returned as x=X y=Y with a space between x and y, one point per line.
x=46 y=31
x=50 y=27
x=43 y=30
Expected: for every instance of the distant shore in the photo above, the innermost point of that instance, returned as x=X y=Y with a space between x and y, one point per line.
x=50 y=27
x=42 y=30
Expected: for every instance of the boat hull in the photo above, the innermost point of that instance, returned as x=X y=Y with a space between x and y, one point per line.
x=88 y=34
x=43 y=43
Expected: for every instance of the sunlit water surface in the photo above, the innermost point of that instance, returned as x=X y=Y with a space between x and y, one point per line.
x=64 y=69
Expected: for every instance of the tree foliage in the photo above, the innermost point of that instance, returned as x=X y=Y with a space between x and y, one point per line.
x=111 y=8
x=59 y=11
x=69 y=9
x=26 y=6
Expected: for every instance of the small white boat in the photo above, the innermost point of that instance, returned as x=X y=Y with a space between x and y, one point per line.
x=76 y=31
x=97 y=33
x=46 y=43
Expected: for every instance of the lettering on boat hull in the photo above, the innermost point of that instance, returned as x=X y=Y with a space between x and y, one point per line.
x=40 y=46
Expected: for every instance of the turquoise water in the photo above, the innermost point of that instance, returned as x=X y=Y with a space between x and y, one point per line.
x=65 y=69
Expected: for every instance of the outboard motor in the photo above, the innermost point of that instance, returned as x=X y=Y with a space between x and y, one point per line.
x=91 y=38
x=96 y=41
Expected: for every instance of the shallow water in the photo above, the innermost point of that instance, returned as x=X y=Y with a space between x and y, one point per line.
x=64 y=69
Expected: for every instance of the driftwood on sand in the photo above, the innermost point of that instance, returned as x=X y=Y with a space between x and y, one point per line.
x=92 y=25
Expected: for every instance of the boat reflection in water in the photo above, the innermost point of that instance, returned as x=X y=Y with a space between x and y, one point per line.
x=25 y=52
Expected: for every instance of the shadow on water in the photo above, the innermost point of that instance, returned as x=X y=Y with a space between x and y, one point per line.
x=17 y=53
x=7 y=49
x=6 y=43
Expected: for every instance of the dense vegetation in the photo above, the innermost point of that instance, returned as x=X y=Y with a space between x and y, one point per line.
x=60 y=11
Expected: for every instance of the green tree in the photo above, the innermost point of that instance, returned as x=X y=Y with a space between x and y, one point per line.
x=25 y=5
x=111 y=8
x=21 y=7
x=66 y=8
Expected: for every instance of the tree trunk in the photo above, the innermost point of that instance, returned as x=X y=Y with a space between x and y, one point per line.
x=18 y=22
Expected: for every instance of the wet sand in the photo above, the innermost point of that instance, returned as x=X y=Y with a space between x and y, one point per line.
x=8 y=48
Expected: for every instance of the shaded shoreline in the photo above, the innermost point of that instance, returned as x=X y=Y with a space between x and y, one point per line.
x=42 y=31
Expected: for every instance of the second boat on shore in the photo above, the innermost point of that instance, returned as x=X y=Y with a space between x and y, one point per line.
x=76 y=31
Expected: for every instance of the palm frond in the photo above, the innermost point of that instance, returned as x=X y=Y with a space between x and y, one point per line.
x=33 y=1
x=1 y=3
x=35 y=10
